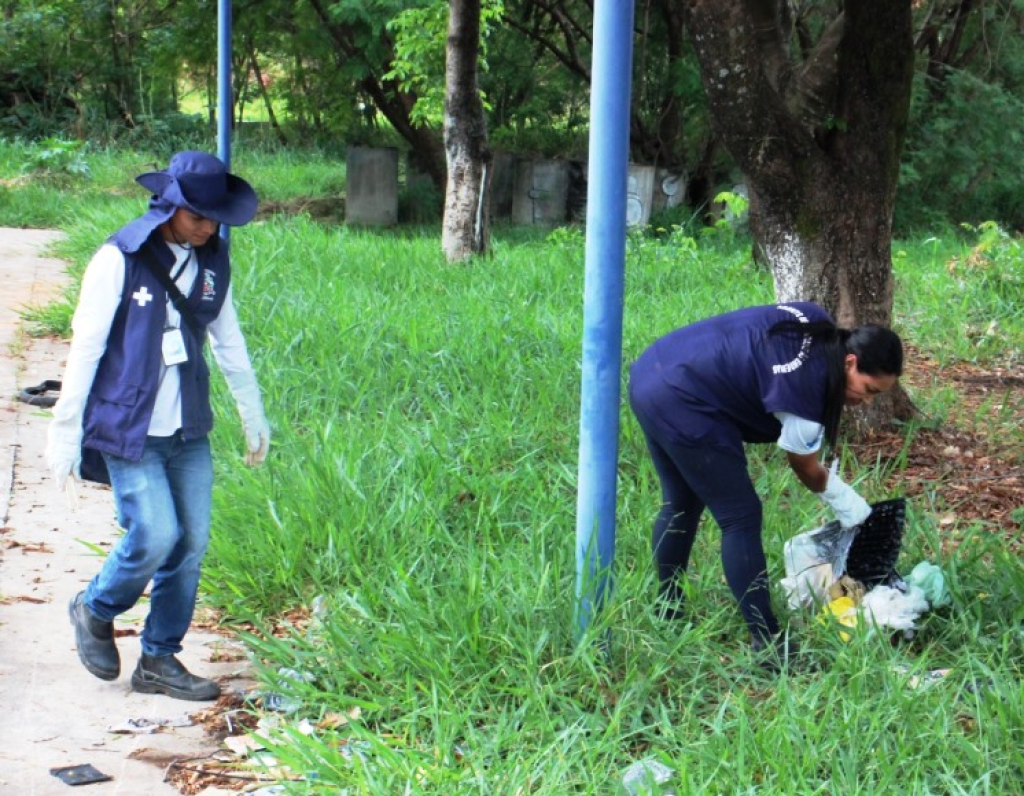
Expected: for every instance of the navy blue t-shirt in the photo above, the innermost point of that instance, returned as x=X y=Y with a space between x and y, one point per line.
x=719 y=381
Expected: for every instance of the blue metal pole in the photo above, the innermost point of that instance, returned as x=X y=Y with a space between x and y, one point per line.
x=602 y=306
x=225 y=106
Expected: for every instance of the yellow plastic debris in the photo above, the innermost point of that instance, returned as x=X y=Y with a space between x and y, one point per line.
x=842 y=610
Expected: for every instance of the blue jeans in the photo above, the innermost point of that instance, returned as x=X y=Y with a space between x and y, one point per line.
x=163 y=503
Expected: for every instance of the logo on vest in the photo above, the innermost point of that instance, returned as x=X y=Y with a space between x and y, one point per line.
x=805 y=344
x=209 y=290
x=142 y=296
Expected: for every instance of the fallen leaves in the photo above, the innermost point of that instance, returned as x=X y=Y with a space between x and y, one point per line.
x=22 y=598
x=31 y=547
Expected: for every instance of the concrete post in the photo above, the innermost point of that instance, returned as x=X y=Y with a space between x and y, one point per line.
x=371 y=186
x=639 y=195
x=541 y=191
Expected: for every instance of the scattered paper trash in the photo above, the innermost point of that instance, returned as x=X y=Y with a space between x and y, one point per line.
x=80 y=775
x=917 y=681
x=332 y=719
x=144 y=726
x=867 y=553
x=847 y=587
x=351 y=750
x=814 y=560
x=287 y=701
x=243 y=745
x=319 y=605
x=642 y=776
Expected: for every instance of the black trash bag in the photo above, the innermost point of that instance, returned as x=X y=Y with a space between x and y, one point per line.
x=867 y=553
x=876 y=545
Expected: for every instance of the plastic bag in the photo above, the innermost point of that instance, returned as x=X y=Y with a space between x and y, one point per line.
x=814 y=561
x=930 y=580
x=885 y=606
x=867 y=553
x=645 y=776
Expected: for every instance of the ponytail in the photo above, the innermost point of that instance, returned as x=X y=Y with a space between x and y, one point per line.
x=879 y=351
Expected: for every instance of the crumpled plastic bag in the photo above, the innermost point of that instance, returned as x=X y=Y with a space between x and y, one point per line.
x=885 y=606
x=930 y=580
x=814 y=561
x=882 y=607
x=866 y=552
x=644 y=776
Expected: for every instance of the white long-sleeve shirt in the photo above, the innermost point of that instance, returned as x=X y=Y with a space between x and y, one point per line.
x=100 y=296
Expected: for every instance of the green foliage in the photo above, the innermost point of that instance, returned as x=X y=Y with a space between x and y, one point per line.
x=420 y=202
x=169 y=133
x=28 y=192
x=36 y=69
x=418 y=65
x=59 y=160
x=964 y=159
x=963 y=296
x=417 y=501
x=147 y=79
x=733 y=216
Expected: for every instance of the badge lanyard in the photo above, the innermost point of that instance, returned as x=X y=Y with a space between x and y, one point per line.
x=173 y=346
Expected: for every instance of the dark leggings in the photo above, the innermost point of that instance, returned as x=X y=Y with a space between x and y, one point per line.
x=715 y=477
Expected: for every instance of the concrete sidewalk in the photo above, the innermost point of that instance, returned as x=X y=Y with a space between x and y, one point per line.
x=54 y=713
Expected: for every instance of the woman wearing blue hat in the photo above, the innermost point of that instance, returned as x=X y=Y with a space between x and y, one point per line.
x=777 y=373
x=135 y=410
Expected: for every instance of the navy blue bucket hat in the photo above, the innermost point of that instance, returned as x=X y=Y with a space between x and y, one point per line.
x=200 y=183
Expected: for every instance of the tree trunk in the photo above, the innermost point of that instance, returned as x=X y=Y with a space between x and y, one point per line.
x=819 y=143
x=465 y=230
x=262 y=87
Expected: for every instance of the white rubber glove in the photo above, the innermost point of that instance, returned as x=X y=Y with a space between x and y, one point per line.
x=63 y=452
x=250 y=408
x=849 y=507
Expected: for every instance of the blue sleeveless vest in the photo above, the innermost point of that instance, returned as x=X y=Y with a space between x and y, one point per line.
x=720 y=380
x=120 y=404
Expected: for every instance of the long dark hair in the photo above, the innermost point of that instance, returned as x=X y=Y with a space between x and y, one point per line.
x=879 y=352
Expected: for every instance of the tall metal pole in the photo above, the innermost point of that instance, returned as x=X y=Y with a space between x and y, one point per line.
x=602 y=306
x=225 y=106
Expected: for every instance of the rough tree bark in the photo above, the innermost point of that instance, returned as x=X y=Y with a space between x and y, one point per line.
x=819 y=143
x=465 y=230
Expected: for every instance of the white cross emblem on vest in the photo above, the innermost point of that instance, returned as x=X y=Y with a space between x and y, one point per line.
x=142 y=296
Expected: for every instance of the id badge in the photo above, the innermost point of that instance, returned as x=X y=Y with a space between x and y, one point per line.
x=174 y=348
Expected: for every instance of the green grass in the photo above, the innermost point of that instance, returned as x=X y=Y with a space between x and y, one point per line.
x=420 y=494
x=33 y=197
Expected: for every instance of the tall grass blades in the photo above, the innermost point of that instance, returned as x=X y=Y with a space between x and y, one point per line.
x=406 y=555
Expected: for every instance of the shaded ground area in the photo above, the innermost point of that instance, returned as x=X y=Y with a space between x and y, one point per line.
x=970 y=464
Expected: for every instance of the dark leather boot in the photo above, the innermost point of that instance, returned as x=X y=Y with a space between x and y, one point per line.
x=166 y=675
x=95 y=641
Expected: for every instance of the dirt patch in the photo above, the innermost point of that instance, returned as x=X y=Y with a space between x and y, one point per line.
x=971 y=464
x=318 y=209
